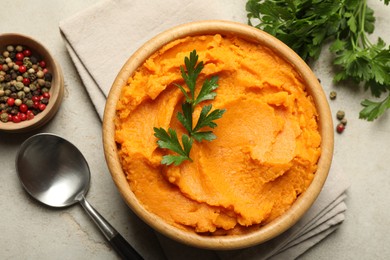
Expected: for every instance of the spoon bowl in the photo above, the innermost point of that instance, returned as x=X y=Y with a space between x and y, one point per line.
x=53 y=171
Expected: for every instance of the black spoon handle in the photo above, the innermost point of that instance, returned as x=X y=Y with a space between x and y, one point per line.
x=124 y=249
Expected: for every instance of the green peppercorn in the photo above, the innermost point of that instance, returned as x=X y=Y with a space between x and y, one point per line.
x=333 y=95
x=32 y=87
x=19 y=85
x=21 y=94
x=28 y=64
x=4 y=117
x=340 y=114
x=30 y=103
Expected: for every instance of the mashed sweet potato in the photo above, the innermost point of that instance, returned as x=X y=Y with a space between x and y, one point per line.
x=267 y=145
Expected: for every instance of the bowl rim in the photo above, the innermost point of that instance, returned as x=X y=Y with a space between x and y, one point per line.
x=300 y=206
x=56 y=93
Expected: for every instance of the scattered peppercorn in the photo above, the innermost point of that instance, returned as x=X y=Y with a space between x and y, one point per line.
x=24 y=84
x=340 y=128
x=333 y=95
x=340 y=114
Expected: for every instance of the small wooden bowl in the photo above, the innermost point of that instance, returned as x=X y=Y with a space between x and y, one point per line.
x=268 y=231
x=57 y=83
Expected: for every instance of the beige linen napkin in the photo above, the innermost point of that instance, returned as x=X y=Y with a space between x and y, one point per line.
x=100 y=40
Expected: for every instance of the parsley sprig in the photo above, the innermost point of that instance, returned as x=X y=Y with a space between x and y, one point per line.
x=168 y=139
x=305 y=25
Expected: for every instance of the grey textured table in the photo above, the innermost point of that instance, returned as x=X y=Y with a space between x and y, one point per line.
x=32 y=231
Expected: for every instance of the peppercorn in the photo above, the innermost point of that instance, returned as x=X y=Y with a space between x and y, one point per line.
x=340 y=128
x=45 y=101
x=4 y=117
x=29 y=103
x=47 y=84
x=344 y=121
x=333 y=95
x=19 y=48
x=340 y=114
x=48 y=76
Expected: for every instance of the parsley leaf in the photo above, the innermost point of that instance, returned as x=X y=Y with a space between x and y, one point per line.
x=305 y=25
x=372 y=110
x=169 y=140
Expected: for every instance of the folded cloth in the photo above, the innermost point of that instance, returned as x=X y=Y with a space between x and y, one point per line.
x=100 y=40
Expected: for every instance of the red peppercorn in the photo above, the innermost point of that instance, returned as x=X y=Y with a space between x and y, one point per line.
x=22 y=69
x=19 y=56
x=23 y=108
x=1 y=67
x=9 y=117
x=42 y=63
x=340 y=128
x=46 y=95
x=36 y=104
x=22 y=116
x=10 y=101
x=41 y=107
x=26 y=81
x=29 y=114
x=35 y=98
x=27 y=53
x=16 y=119
x=19 y=63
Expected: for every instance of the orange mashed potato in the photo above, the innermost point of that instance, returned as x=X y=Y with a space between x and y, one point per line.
x=267 y=145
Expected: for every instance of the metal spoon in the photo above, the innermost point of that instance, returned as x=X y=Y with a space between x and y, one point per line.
x=53 y=171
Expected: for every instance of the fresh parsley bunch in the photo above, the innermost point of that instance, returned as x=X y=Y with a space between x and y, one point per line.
x=305 y=25
x=168 y=139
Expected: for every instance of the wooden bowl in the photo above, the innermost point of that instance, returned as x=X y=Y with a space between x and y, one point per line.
x=57 y=83
x=304 y=201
